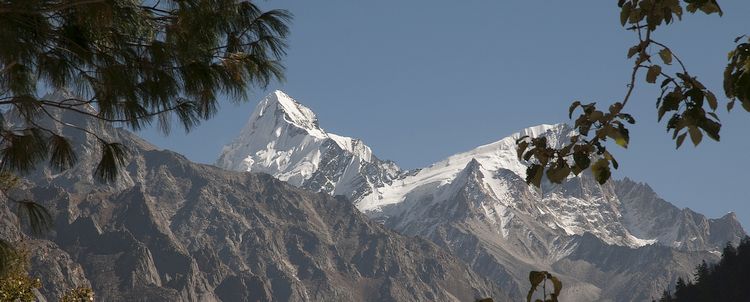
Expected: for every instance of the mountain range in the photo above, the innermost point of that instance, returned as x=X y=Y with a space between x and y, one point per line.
x=172 y=230
x=612 y=242
x=321 y=218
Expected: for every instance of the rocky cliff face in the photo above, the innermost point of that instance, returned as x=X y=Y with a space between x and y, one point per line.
x=650 y=216
x=58 y=271
x=173 y=230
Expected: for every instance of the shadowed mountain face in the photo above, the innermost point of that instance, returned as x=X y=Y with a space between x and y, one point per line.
x=173 y=230
x=650 y=216
x=477 y=205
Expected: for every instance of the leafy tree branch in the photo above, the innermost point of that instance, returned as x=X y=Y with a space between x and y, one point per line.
x=121 y=62
x=690 y=106
x=131 y=62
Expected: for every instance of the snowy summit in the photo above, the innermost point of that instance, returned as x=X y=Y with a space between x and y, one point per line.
x=283 y=138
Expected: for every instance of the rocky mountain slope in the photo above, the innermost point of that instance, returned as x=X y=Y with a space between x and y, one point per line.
x=649 y=216
x=477 y=205
x=173 y=230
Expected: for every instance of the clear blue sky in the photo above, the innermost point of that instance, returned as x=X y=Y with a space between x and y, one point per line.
x=421 y=80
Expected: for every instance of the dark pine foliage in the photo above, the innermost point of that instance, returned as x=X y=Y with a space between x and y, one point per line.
x=725 y=281
x=125 y=63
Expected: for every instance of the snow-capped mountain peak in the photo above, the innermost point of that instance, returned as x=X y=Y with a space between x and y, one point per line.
x=490 y=157
x=278 y=107
x=283 y=138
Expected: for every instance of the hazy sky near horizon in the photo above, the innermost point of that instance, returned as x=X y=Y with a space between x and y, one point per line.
x=421 y=80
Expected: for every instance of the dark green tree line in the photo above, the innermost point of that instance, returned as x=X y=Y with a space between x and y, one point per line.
x=723 y=281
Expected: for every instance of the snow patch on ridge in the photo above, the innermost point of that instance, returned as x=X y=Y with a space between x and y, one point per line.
x=492 y=177
x=492 y=157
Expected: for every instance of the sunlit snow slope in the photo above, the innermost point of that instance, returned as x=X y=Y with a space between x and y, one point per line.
x=499 y=169
x=283 y=138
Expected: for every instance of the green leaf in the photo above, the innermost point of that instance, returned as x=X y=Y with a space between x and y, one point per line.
x=711 y=98
x=615 y=108
x=680 y=139
x=691 y=7
x=608 y=156
x=633 y=50
x=653 y=72
x=635 y=15
x=623 y=137
x=534 y=175
x=601 y=171
x=528 y=155
x=557 y=284
x=710 y=7
x=539 y=142
x=728 y=82
x=576 y=169
x=625 y=13
x=558 y=173
x=730 y=105
x=695 y=135
x=596 y=115
x=627 y=117
x=535 y=278
x=666 y=56
x=670 y=102
x=520 y=148
x=582 y=160
x=572 y=108
x=711 y=128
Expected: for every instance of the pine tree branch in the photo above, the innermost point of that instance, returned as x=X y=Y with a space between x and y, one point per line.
x=52 y=8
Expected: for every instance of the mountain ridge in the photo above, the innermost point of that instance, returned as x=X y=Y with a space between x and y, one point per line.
x=477 y=205
x=172 y=230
